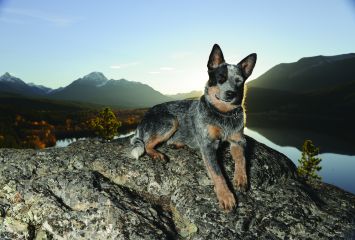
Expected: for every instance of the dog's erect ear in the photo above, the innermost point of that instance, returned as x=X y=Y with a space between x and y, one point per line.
x=247 y=65
x=216 y=57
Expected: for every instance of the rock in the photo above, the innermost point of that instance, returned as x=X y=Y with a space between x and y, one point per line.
x=92 y=190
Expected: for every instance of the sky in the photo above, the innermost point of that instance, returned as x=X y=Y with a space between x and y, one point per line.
x=164 y=44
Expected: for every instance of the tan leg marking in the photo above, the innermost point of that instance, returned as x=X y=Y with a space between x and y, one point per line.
x=240 y=175
x=236 y=137
x=156 y=139
x=225 y=197
x=178 y=144
x=220 y=105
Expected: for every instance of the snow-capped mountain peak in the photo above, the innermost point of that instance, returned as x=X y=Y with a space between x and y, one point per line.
x=7 y=77
x=94 y=78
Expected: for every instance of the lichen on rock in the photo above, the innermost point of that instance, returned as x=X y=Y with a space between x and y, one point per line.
x=93 y=190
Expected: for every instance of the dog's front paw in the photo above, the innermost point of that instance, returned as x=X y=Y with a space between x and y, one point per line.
x=226 y=199
x=241 y=182
x=158 y=156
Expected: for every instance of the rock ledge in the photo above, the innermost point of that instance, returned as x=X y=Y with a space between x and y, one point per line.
x=93 y=190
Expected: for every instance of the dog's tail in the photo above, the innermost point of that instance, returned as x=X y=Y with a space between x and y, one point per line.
x=138 y=146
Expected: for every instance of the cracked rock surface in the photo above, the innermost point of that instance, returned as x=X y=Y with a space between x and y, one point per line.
x=94 y=190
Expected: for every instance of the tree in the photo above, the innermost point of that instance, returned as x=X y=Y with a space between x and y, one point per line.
x=105 y=124
x=309 y=163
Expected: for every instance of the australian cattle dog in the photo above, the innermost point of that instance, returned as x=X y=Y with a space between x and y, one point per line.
x=203 y=124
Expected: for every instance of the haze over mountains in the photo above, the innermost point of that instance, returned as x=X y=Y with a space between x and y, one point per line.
x=180 y=96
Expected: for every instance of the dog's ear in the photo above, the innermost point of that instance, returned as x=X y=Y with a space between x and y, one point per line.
x=247 y=65
x=216 y=57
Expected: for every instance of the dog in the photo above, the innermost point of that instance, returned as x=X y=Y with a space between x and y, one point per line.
x=203 y=124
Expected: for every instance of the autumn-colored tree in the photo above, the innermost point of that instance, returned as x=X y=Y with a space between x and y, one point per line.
x=309 y=163
x=105 y=124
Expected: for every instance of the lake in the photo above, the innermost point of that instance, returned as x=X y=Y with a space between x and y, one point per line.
x=337 y=169
x=65 y=142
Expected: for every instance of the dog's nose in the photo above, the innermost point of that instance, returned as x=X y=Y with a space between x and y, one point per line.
x=231 y=94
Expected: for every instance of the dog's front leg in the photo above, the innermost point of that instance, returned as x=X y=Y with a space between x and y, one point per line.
x=237 y=144
x=225 y=197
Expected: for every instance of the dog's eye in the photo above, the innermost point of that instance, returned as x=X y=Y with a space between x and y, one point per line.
x=222 y=78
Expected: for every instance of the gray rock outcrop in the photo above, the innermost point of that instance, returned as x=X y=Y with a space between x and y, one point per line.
x=94 y=190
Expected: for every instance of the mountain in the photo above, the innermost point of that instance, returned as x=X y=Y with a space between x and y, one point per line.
x=11 y=84
x=314 y=85
x=93 y=88
x=181 y=96
x=95 y=79
x=314 y=93
x=309 y=74
x=41 y=89
x=96 y=88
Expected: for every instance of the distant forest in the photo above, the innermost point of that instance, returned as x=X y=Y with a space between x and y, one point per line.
x=39 y=123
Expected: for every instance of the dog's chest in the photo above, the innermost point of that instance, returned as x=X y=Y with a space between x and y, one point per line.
x=217 y=132
x=222 y=128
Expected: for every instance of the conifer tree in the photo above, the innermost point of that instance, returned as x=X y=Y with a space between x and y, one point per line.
x=105 y=124
x=309 y=163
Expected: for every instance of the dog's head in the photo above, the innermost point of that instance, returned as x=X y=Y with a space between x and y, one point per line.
x=225 y=87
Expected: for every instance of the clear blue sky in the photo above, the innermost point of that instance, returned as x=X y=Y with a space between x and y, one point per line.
x=164 y=43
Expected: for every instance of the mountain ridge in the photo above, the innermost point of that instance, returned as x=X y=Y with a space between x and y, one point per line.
x=188 y=95
x=314 y=94
x=12 y=84
x=93 y=88
x=308 y=74
x=96 y=88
